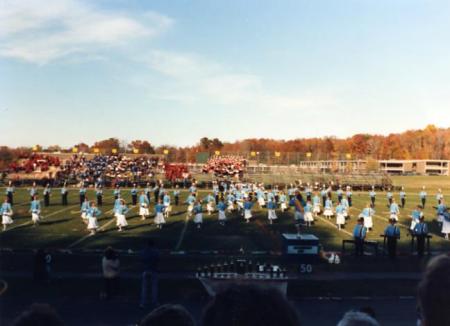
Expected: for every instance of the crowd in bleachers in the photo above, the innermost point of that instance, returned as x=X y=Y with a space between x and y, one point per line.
x=225 y=166
x=115 y=167
x=34 y=163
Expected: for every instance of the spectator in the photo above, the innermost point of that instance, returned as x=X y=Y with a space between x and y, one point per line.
x=150 y=258
x=168 y=315
x=110 y=267
x=245 y=305
x=433 y=293
x=223 y=166
x=357 y=318
x=38 y=315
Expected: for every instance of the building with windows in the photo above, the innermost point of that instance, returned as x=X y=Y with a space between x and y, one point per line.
x=423 y=167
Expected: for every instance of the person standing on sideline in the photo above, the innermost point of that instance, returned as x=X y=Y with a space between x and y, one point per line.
x=421 y=232
x=423 y=197
x=147 y=191
x=349 y=196
x=176 y=195
x=64 y=195
x=47 y=192
x=402 y=197
x=134 y=193
x=111 y=269
x=10 y=193
x=372 y=195
x=359 y=235
x=150 y=257
x=392 y=234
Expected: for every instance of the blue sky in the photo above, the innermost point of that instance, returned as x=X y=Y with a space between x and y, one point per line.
x=174 y=71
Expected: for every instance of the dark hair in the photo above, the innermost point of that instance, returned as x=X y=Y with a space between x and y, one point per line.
x=433 y=292
x=168 y=315
x=247 y=305
x=110 y=253
x=38 y=314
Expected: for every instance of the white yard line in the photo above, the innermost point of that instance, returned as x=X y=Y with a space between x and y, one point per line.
x=101 y=228
x=334 y=226
x=183 y=232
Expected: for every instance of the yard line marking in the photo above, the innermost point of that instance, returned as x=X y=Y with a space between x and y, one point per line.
x=335 y=227
x=101 y=228
x=44 y=217
x=183 y=232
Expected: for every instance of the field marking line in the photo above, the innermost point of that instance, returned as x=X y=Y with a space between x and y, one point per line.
x=183 y=232
x=101 y=228
x=334 y=226
x=43 y=218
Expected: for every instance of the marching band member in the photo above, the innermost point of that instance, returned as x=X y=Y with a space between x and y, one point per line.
x=308 y=192
x=84 y=209
x=316 y=205
x=324 y=195
x=339 y=194
x=440 y=209
x=261 y=198
x=309 y=219
x=92 y=213
x=328 y=211
x=33 y=191
x=389 y=197
x=346 y=206
x=394 y=210
x=134 y=193
x=221 y=207
x=298 y=203
x=198 y=216
x=359 y=235
x=99 y=194
x=283 y=202
x=367 y=214
x=64 y=195
x=392 y=234
x=176 y=195
x=230 y=201
x=340 y=218
x=166 y=203
x=372 y=195
x=147 y=191
x=209 y=200
x=143 y=205
x=116 y=192
x=10 y=193
x=421 y=232
x=35 y=210
x=6 y=212
x=82 y=193
x=159 y=217
x=271 y=215
x=423 y=197
x=439 y=196
x=46 y=193
x=122 y=210
x=402 y=197
x=190 y=201
x=248 y=210
x=446 y=224
x=415 y=216
x=239 y=200
x=349 y=195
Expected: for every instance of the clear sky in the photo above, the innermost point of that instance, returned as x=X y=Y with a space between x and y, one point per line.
x=174 y=71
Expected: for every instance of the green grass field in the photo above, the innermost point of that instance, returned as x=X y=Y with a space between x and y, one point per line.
x=62 y=227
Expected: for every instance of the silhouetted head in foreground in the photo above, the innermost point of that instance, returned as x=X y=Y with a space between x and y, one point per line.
x=245 y=305
x=38 y=315
x=433 y=293
x=168 y=315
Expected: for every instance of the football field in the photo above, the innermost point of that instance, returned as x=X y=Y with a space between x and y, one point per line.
x=62 y=227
